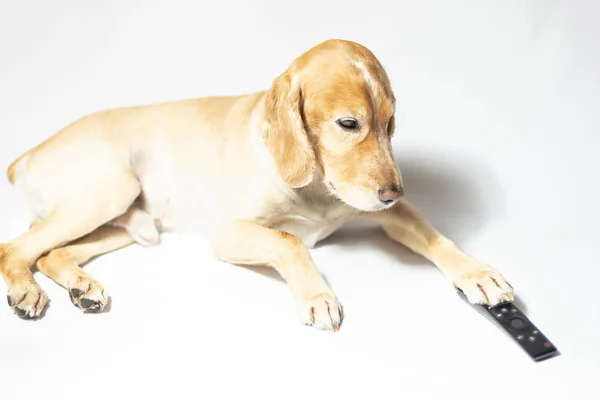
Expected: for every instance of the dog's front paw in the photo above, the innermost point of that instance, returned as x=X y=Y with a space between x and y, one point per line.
x=27 y=300
x=322 y=311
x=484 y=285
x=88 y=295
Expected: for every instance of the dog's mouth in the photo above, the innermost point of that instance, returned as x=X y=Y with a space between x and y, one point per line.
x=357 y=199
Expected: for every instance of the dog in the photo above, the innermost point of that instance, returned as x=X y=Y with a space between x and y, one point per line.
x=264 y=176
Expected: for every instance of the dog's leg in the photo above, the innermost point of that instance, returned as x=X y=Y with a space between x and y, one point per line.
x=62 y=265
x=481 y=283
x=82 y=207
x=251 y=244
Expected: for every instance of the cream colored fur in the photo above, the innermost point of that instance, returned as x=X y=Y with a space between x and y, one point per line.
x=265 y=176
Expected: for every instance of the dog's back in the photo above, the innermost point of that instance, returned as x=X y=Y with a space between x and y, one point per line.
x=155 y=143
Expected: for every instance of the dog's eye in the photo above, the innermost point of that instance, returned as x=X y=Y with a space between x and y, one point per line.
x=348 y=123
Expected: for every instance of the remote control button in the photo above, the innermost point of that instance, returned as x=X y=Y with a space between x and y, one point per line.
x=535 y=332
x=499 y=315
x=517 y=323
x=514 y=310
x=547 y=345
x=532 y=338
x=520 y=337
x=504 y=310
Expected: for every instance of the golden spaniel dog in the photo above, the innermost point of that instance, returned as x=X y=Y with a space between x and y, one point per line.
x=264 y=176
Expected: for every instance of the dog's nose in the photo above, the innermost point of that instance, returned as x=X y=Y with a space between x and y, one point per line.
x=390 y=194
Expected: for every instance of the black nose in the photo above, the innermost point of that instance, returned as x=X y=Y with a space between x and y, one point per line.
x=390 y=194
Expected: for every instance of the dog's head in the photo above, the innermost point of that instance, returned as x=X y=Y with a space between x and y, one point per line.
x=332 y=112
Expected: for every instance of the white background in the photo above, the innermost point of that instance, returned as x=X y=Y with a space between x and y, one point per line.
x=498 y=141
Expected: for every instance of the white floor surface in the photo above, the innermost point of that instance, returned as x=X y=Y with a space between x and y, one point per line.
x=498 y=140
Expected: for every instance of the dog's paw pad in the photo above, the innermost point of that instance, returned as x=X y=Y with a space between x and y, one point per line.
x=323 y=312
x=28 y=301
x=89 y=296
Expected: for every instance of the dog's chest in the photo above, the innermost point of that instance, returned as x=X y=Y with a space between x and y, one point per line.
x=313 y=225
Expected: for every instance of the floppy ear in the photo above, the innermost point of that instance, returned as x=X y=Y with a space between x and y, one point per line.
x=285 y=135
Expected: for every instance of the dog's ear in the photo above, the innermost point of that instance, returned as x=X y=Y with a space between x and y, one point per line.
x=285 y=134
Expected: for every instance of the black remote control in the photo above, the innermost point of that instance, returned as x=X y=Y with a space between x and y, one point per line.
x=515 y=323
